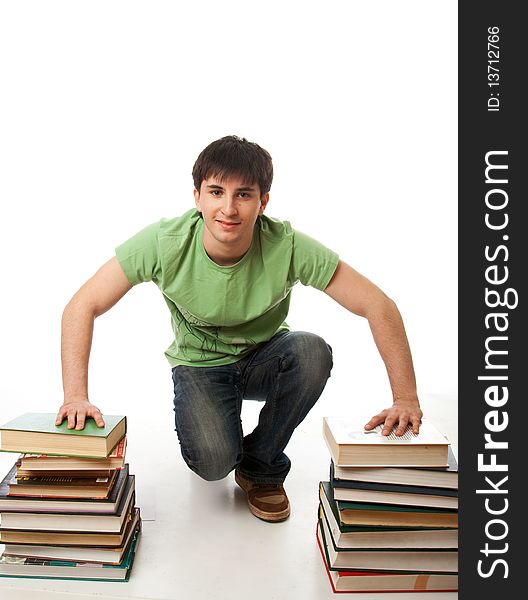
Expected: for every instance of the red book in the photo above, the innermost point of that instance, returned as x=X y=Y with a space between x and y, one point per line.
x=384 y=581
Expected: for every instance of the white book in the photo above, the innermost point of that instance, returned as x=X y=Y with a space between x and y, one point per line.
x=377 y=538
x=385 y=581
x=111 y=556
x=350 y=445
x=400 y=498
x=72 y=522
x=443 y=561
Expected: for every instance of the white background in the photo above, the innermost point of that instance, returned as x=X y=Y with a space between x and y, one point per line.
x=104 y=107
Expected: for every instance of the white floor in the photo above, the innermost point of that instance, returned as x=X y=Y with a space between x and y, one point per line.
x=199 y=539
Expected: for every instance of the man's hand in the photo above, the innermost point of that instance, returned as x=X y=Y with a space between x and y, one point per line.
x=76 y=412
x=401 y=414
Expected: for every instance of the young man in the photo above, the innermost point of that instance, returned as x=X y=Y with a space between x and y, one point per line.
x=226 y=272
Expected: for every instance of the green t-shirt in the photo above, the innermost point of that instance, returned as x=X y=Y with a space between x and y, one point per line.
x=219 y=313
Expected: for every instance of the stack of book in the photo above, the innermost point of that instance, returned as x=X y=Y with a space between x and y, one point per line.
x=67 y=505
x=388 y=516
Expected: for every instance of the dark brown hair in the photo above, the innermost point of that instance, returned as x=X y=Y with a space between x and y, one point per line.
x=230 y=156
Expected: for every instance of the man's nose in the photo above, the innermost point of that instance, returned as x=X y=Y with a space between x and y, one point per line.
x=229 y=207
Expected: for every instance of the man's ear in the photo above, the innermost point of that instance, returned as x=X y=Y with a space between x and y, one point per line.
x=197 y=199
x=263 y=202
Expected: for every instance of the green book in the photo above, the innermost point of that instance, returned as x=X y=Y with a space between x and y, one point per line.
x=394 y=534
x=36 y=433
x=360 y=514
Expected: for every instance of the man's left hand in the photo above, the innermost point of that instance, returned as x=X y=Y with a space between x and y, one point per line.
x=399 y=415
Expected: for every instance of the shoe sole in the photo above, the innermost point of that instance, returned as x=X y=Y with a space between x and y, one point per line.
x=270 y=517
x=261 y=514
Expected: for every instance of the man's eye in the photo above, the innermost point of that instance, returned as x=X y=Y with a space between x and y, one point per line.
x=216 y=192
x=244 y=195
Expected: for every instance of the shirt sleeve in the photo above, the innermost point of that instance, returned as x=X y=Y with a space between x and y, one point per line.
x=139 y=255
x=313 y=263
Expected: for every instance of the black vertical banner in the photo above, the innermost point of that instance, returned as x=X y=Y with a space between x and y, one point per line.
x=493 y=269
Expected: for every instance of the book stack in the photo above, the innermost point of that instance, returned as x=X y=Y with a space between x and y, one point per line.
x=67 y=505
x=388 y=516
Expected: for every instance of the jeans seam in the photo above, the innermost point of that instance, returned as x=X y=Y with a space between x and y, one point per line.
x=252 y=358
x=240 y=398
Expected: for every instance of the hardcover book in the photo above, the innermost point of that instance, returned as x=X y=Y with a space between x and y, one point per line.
x=428 y=561
x=384 y=581
x=351 y=446
x=106 y=505
x=77 y=553
x=92 y=473
x=381 y=495
x=61 y=486
x=14 y=566
x=37 y=433
x=352 y=483
x=348 y=536
x=66 y=538
x=73 y=521
x=391 y=515
x=436 y=477
x=33 y=463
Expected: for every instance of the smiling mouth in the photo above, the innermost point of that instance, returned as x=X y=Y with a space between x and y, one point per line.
x=228 y=223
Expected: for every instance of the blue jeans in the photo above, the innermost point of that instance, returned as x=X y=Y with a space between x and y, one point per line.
x=289 y=373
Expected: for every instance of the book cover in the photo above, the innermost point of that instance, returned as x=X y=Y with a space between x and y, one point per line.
x=389 y=487
x=106 y=505
x=431 y=561
x=51 y=462
x=84 y=474
x=350 y=445
x=346 y=536
x=338 y=507
x=67 y=538
x=350 y=430
x=110 y=555
x=436 y=477
x=73 y=521
x=40 y=568
x=62 y=486
x=37 y=433
x=383 y=581
x=392 y=515
x=378 y=495
x=45 y=423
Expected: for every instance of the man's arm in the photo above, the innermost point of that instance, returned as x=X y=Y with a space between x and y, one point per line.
x=360 y=296
x=94 y=298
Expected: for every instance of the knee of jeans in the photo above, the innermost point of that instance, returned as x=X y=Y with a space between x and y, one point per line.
x=312 y=353
x=211 y=463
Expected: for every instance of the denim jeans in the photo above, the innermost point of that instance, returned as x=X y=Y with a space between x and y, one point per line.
x=288 y=373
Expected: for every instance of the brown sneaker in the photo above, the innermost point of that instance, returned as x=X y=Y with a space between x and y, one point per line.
x=267 y=501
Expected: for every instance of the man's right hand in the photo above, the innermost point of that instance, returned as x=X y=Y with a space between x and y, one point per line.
x=76 y=412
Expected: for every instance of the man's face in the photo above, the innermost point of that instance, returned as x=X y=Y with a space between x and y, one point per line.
x=230 y=209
